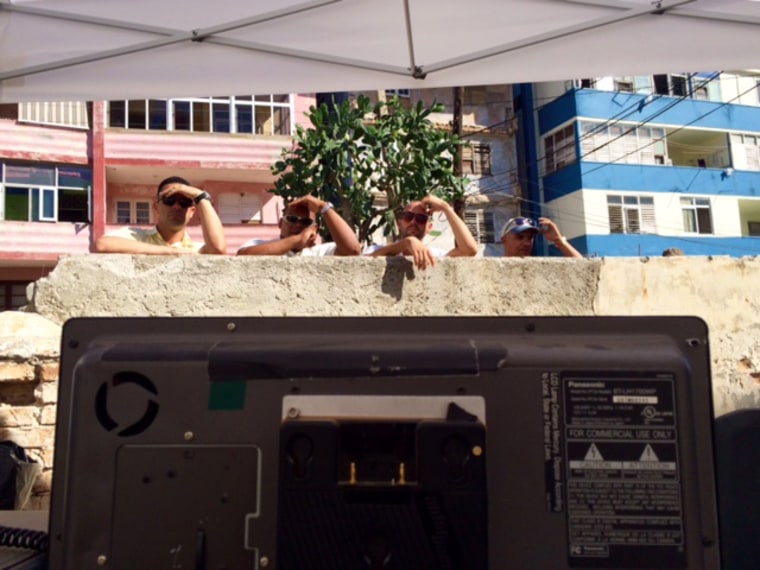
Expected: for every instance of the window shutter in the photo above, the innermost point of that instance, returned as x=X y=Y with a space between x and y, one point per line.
x=237 y=208
x=753 y=157
x=481 y=226
x=633 y=223
x=615 y=213
x=484 y=162
x=648 y=225
x=63 y=113
x=631 y=148
x=467 y=163
x=250 y=205
x=472 y=221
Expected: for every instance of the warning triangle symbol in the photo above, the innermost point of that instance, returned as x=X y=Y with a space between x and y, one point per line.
x=649 y=454
x=593 y=454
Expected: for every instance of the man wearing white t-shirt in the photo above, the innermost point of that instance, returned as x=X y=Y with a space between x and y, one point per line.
x=298 y=232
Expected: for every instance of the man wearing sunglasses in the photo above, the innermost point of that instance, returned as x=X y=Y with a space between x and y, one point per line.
x=298 y=232
x=519 y=236
x=176 y=203
x=414 y=222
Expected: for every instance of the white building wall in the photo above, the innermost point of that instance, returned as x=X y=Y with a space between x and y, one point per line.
x=724 y=211
x=726 y=216
x=585 y=213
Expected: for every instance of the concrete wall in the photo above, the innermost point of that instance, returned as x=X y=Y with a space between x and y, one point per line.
x=723 y=291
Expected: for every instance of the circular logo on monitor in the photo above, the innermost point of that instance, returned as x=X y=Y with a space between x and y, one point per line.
x=139 y=424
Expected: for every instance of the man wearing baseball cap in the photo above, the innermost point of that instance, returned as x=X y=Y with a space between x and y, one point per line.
x=519 y=235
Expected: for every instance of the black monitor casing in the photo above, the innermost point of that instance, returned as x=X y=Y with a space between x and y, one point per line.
x=482 y=443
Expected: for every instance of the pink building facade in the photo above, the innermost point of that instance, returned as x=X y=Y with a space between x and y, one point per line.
x=69 y=175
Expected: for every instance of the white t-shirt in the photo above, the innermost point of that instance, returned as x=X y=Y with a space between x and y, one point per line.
x=436 y=251
x=319 y=250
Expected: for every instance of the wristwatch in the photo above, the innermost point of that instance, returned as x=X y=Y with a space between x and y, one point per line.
x=326 y=208
x=202 y=196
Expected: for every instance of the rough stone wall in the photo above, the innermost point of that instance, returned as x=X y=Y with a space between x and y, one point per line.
x=723 y=291
x=29 y=349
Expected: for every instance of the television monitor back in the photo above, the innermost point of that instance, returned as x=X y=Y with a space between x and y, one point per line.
x=482 y=443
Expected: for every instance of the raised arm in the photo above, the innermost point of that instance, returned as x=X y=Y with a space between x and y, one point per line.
x=116 y=244
x=213 y=232
x=551 y=232
x=344 y=237
x=295 y=242
x=466 y=246
x=410 y=246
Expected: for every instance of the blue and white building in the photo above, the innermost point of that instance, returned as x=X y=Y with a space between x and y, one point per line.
x=631 y=166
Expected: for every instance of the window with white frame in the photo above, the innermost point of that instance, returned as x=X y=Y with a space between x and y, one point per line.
x=400 y=93
x=696 y=215
x=631 y=214
x=133 y=212
x=481 y=225
x=559 y=148
x=476 y=159
x=246 y=114
x=45 y=193
x=239 y=208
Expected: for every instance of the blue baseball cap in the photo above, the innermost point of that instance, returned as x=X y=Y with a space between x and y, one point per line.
x=520 y=225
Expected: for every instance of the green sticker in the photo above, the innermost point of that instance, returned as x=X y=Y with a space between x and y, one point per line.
x=227 y=395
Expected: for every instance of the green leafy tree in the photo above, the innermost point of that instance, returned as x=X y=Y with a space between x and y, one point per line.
x=349 y=160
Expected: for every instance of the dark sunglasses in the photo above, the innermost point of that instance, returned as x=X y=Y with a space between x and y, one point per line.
x=183 y=201
x=526 y=222
x=409 y=216
x=305 y=222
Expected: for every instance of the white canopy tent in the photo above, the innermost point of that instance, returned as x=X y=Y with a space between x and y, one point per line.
x=106 y=49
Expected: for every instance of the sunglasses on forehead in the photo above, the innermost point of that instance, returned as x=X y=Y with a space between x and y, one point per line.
x=182 y=200
x=306 y=222
x=409 y=216
x=526 y=222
